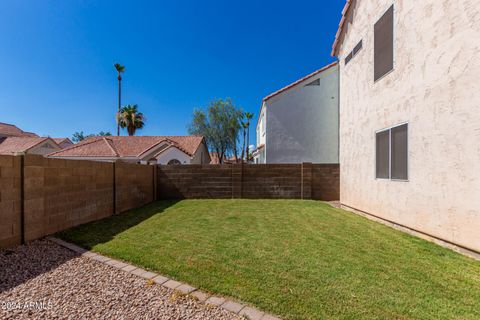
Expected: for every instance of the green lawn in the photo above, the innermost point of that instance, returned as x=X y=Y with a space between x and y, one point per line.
x=298 y=259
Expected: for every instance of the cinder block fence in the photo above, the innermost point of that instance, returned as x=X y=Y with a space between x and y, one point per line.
x=250 y=181
x=41 y=196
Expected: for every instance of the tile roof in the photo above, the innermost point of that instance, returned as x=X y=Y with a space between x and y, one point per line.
x=126 y=146
x=60 y=140
x=19 y=144
x=341 y=27
x=12 y=130
x=300 y=80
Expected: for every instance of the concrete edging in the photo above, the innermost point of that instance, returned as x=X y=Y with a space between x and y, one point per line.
x=232 y=306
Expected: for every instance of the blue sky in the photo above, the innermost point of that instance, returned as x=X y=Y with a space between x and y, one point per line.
x=56 y=58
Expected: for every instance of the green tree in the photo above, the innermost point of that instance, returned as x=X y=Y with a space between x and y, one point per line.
x=120 y=69
x=220 y=124
x=130 y=118
x=80 y=136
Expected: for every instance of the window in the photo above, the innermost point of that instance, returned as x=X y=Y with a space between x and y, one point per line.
x=383 y=45
x=263 y=124
x=354 y=52
x=391 y=160
x=174 y=162
x=313 y=83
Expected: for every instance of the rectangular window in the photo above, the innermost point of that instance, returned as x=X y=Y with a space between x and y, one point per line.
x=392 y=153
x=399 y=152
x=354 y=52
x=383 y=45
x=383 y=155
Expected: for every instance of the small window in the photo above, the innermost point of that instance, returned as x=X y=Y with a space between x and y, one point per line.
x=354 y=52
x=313 y=83
x=174 y=162
x=391 y=160
x=383 y=45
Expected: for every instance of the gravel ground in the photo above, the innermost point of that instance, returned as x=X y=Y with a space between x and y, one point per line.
x=43 y=280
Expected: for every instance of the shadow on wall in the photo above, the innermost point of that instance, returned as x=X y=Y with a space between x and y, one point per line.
x=102 y=231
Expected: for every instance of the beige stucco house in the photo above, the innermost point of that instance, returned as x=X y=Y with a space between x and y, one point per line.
x=410 y=114
x=139 y=149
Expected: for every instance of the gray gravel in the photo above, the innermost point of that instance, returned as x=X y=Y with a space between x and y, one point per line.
x=43 y=280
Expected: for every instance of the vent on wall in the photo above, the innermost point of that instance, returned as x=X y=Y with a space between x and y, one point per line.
x=354 y=52
x=313 y=83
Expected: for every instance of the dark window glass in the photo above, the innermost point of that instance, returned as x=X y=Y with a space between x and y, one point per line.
x=382 y=155
x=358 y=47
x=399 y=141
x=383 y=45
x=348 y=58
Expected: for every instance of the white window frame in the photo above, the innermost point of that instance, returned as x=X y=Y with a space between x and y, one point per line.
x=389 y=129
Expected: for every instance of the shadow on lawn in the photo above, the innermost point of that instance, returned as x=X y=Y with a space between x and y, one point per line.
x=102 y=231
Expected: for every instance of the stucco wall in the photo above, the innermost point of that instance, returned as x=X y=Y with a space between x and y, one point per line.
x=173 y=153
x=44 y=148
x=302 y=122
x=435 y=88
x=201 y=156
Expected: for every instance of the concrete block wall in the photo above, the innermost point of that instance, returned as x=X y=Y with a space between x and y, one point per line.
x=10 y=201
x=259 y=181
x=59 y=194
x=135 y=185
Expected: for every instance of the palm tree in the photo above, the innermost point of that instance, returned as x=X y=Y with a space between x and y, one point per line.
x=130 y=118
x=120 y=69
x=248 y=116
x=245 y=127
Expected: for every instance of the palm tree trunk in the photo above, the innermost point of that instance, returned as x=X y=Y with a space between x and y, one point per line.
x=119 y=102
x=243 y=149
x=248 y=138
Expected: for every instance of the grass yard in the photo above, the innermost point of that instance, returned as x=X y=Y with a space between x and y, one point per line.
x=298 y=259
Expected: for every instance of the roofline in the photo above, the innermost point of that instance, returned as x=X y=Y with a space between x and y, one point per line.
x=293 y=84
x=41 y=141
x=76 y=145
x=152 y=148
x=341 y=26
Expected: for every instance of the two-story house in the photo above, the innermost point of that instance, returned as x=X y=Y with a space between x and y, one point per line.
x=299 y=123
x=410 y=114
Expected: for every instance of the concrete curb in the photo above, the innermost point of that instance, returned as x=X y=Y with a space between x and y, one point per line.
x=232 y=306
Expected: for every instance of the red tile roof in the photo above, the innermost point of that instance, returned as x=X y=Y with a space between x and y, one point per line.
x=60 y=140
x=300 y=80
x=13 y=131
x=126 y=146
x=341 y=27
x=12 y=145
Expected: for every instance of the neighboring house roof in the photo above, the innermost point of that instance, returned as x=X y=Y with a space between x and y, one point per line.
x=61 y=140
x=341 y=27
x=12 y=145
x=300 y=80
x=126 y=146
x=12 y=130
